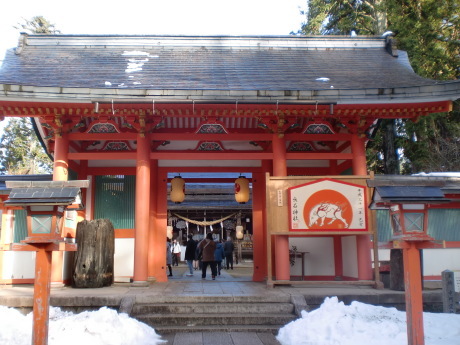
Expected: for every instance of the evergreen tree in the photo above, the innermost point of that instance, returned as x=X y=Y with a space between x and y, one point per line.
x=341 y=17
x=21 y=152
x=37 y=25
x=429 y=31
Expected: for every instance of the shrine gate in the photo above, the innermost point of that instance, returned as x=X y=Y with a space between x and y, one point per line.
x=146 y=106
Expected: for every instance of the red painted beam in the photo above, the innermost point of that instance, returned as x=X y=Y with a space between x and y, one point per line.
x=210 y=137
x=102 y=136
x=101 y=155
x=207 y=155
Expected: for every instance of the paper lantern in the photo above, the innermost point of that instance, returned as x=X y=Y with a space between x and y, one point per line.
x=169 y=231
x=177 y=194
x=242 y=190
x=239 y=232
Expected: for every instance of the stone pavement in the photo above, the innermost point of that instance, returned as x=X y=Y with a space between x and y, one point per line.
x=236 y=283
x=221 y=338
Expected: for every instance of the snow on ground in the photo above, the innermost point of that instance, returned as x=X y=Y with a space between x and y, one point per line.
x=102 y=327
x=334 y=323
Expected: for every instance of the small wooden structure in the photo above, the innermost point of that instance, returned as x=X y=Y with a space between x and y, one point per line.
x=45 y=203
x=409 y=199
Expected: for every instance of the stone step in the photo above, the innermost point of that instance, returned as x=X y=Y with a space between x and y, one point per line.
x=162 y=330
x=192 y=320
x=263 y=298
x=212 y=308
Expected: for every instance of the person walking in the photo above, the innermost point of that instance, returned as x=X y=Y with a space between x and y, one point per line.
x=190 y=249
x=229 y=247
x=207 y=248
x=175 y=253
x=168 y=256
x=219 y=255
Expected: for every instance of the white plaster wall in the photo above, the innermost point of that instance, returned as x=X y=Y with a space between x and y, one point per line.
x=124 y=258
x=320 y=257
x=384 y=254
x=434 y=260
x=18 y=265
x=350 y=257
x=437 y=260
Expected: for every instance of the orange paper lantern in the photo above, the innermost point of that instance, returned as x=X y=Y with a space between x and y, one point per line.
x=177 y=194
x=242 y=190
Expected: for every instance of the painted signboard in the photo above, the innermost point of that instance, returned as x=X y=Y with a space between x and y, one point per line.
x=328 y=205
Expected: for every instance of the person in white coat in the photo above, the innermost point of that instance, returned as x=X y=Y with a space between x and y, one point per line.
x=175 y=250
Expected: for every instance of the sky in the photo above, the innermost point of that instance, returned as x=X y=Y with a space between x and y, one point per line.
x=143 y=17
x=154 y=17
x=333 y=323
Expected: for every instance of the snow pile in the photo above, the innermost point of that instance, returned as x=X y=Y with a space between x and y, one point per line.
x=334 y=323
x=102 y=327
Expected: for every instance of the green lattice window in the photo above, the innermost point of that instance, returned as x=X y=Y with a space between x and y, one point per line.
x=115 y=200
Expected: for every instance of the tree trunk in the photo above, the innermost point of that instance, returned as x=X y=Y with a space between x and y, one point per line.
x=93 y=263
x=396 y=270
x=390 y=156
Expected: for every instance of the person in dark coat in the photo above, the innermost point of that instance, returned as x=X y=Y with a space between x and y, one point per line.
x=168 y=256
x=228 y=250
x=219 y=256
x=207 y=248
x=190 y=249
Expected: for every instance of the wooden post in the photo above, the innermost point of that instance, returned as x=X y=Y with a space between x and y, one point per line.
x=448 y=292
x=414 y=298
x=363 y=242
x=259 y=237
x=41 y=295
x=142 y=211
x=282 y=264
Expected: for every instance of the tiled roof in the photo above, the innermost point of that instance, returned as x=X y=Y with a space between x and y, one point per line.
x=114 y=65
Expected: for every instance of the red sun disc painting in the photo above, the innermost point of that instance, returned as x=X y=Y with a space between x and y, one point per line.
x=327 y=209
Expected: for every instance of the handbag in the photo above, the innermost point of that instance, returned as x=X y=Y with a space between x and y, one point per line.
x=200 y=253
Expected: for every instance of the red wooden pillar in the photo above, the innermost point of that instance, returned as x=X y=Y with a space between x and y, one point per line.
x=338 y=262
x=60 y=173
x=153 y=210
x=142 y=211
x=363 y=242
x=258 y=227
x=41 y=295
x=61 y=161
x=83 y=175
x=282 y=265
x=414 y=298
x=159 y=228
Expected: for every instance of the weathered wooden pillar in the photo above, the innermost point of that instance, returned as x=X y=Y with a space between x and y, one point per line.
x=142 y=211
x=94 y=259
x=282 y=264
